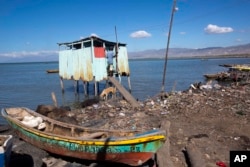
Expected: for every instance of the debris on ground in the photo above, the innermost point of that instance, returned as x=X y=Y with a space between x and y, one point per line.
x=213 y=118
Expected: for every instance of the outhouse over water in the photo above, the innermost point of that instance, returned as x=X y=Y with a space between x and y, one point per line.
x=86 y=60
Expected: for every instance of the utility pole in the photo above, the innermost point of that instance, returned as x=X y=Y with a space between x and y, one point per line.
x=116 y=52
x=166 y=56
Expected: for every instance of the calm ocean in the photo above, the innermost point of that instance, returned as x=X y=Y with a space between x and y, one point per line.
x=28 y=84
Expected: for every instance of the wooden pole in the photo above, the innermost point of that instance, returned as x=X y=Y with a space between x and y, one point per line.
x=116 y=52
x=76 y=86
x=95 y=85
x=87 y=88
x=129 y=85
x=54 y=99
x=61 y=82
x=84 y=88
x=166 y=56
x=98 y=88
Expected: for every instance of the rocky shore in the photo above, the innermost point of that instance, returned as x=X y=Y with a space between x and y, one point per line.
x=213 y=121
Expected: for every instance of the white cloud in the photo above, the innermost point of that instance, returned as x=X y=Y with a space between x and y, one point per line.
x=183 y=33
x=214 y=29
x=28 y=53
x=140 y=34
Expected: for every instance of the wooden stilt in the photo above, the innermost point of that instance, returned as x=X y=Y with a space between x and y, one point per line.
x=107 y=83
x=54 y=99
x=63 y=99
x=84 y=88
x=61 y=82
x=95 y=88
x=87 y=88
x=75 y=86
x=98 y=88
x=129 y=85
x=120 y=80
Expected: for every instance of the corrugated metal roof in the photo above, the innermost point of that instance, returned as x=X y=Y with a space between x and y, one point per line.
x=94 y=38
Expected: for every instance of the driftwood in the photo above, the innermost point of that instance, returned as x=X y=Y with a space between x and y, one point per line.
x=53 y=96
x=194 y=155
x=163 y=154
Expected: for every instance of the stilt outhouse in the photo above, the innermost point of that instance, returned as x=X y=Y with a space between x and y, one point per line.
x=86 y=60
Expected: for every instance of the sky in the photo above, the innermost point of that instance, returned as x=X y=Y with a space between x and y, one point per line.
x=34 y=27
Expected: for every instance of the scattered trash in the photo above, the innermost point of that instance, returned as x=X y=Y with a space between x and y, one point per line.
x=221 y=164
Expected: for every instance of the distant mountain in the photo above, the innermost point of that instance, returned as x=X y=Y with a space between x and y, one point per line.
x=192 y=53
x=27 y=59
x=239 y=50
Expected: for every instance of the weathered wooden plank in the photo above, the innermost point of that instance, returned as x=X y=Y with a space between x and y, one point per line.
x=124 y=93
x=163 y=154
x=195 y=155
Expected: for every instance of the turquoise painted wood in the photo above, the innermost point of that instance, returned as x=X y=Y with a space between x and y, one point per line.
x=90 y=146
x=132 y=154
x=123 y=64
x=129 y=147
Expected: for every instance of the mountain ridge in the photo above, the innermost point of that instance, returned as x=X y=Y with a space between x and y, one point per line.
x=211 y=52
x=192 y=53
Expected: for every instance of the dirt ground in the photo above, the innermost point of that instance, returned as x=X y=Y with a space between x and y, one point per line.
x=213 y=121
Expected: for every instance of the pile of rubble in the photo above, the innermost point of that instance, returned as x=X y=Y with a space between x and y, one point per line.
x=214 y=119
x=118 y=114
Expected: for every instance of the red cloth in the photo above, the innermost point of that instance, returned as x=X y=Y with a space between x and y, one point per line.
x=99 y=52
x=221 y=164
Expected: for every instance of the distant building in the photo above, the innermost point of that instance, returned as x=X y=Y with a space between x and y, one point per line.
x=86 y=60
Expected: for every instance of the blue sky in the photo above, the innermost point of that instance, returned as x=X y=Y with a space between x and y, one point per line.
x=34 y=27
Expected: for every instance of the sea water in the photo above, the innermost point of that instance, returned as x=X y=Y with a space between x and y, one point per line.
x=29 y=85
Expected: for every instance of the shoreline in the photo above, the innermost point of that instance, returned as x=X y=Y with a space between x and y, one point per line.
x=194 y=57
x=156 y=58
x=202 y=117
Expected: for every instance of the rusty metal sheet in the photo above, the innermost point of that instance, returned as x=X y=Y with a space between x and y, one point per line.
x=76 y=64
x=100 y=68
x=85 y=64
x=89 y=62
x=122 y=59
x=64 y=64
x=75 y=60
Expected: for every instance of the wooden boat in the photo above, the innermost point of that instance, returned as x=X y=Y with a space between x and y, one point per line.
x=53 y=71
x=128 y=147
x=240 y=68
x=217 y=76
x=210 y=76
x=226 y=65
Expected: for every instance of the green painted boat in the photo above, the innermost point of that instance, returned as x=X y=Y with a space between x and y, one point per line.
x=129 y=147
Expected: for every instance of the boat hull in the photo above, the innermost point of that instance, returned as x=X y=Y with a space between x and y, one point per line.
x=131 y=151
